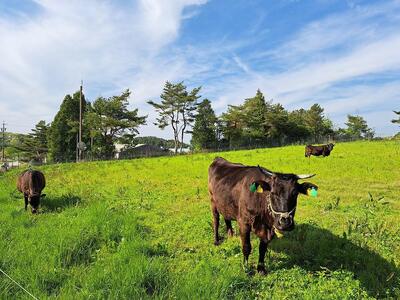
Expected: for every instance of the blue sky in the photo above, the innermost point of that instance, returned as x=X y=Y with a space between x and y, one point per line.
x=344 y=55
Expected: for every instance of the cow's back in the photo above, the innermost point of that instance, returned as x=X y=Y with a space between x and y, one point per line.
x=31 y=182
x=227 y=184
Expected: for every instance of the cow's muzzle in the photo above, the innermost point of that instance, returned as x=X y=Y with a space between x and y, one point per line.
x=284 y=223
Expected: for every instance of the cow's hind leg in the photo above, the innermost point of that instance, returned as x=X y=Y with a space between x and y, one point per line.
x=229 y=228
x=215 y=214
x=261 y=257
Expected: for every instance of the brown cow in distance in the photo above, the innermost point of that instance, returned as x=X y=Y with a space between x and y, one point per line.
x=266 y=211
x=31 y=183
x=323 y=150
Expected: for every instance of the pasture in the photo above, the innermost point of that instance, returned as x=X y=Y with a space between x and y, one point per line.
x=143 y=229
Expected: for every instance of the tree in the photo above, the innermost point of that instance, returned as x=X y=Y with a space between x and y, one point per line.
x=396 y=121
x=204 y=130
x=358 y=128
x=177 y=109
x=35 y=145
x=260 y=121
x=317 y=123
x=254 y=113
x=299 y=130
x=277 y=119
x=62 y=135
x=233 y=125
x=109 y=120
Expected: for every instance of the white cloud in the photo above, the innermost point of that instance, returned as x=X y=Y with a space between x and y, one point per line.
x=321 y=61
x=113 y=46
x=45 y=55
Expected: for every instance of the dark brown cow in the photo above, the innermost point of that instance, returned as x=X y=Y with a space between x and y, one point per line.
x=31 y=183
x=323 y=150
x=266 y=211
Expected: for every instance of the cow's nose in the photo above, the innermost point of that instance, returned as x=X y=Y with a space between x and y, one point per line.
x=285 y=222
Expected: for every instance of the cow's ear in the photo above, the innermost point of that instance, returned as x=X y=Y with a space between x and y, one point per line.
x=260 y=186
x=305 y=186
x=42 y=195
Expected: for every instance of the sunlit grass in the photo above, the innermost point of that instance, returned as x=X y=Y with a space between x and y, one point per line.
x=142 y=229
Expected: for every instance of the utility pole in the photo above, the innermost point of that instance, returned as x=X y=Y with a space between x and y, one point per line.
x=3 y=144
x=77 y=148
x=80 y=144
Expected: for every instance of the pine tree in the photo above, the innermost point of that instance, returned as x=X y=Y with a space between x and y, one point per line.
x=254 y=113
x=64 y=129
x=317 y=123
x=177 y=109
x=109 y=120
x=233 y=126
x=204 y=129
x=299 y=130
x=277 y=119
x=39 y=140
x=396 y=121
x=357 y=127
x=34 y=145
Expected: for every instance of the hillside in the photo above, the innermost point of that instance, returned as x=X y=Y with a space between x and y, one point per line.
x=142 y=229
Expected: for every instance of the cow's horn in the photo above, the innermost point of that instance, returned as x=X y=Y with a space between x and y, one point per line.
x=266 y=172
x=305 y=176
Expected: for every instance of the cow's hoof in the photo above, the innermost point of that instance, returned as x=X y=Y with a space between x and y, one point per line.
x=261 y=270
x=230 y=233
x=249 y=271
x=217 y=242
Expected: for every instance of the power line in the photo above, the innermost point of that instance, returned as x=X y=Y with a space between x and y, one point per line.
x=8 y=276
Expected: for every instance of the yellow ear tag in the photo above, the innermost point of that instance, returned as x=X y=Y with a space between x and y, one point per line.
x=278 y=233
x=259 y=189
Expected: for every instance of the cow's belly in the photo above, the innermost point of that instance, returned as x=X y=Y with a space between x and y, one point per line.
x=226 y=207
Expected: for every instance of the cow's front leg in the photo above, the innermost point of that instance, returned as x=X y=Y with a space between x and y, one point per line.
x=26 y=201
x=215 y=214
x=246 y=245
x=262 y=250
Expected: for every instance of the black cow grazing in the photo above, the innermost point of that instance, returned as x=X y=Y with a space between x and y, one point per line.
x=323 y=150
x=260 y=200
x=31 y=183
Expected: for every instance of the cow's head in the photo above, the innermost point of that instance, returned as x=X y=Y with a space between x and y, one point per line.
x=34 y=201
x=330 y=146
x=281 y=193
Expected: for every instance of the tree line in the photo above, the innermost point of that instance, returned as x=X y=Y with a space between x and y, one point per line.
x=256 y=122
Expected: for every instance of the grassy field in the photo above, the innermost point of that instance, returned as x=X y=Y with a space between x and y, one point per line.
x=142 y=229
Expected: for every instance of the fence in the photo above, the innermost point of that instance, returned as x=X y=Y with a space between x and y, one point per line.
x=217 y=148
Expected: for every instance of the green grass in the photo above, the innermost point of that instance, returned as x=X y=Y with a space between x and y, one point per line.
x=142 y=229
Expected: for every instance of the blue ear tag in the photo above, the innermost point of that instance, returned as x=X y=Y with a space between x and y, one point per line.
x=312 y=192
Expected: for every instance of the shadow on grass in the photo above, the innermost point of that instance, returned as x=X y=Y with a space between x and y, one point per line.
x=315 y=249
x=54 y=204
